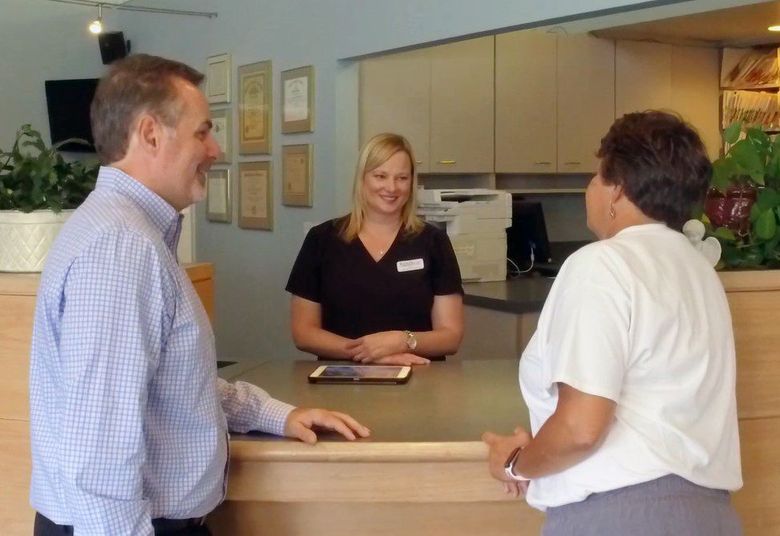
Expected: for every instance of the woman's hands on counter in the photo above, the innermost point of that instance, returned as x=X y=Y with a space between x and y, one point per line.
x=501 y=447
x=370 y=348
x=301 y=423
x=404 y=359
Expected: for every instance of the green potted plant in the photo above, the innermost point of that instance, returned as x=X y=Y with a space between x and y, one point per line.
x=38 y=191
x=742 y=209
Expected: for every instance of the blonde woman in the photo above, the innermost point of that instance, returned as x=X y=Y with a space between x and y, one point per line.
x=378 y=285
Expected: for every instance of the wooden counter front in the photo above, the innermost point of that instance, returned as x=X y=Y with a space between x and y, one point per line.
x=422 y=472
x=17 y=306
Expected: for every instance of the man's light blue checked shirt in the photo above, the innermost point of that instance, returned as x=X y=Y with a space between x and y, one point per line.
x=128 y=418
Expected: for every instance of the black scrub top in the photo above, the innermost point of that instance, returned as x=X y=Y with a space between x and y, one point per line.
x=359 y=295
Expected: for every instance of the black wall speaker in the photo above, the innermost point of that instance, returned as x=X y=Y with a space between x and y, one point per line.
x=112 y=46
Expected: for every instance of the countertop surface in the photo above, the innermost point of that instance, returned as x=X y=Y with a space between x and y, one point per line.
x=450 y=401
x=521 y=295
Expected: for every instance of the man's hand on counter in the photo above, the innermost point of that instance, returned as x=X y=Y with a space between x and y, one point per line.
x=302 y=421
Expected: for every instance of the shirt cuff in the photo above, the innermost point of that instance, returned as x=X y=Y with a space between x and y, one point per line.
x=275 y=413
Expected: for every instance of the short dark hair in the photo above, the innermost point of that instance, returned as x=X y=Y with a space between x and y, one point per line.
x=137 y=83
x=660 y=162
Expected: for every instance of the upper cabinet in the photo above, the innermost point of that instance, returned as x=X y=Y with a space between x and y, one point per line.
x=462 y=107
x=395 y=96
x=531 y=102
x=586 y=100
x=440 y=98
x=668 y=77
x=526 y=102
x=555 y=99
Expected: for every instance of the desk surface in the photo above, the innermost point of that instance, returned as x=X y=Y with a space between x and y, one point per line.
x=451 y=401
x=521 y=295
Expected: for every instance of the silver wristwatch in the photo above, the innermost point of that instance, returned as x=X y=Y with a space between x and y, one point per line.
x=509 y=466
x=411 y=340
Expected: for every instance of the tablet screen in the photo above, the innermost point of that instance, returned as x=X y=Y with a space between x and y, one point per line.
x=351 y=371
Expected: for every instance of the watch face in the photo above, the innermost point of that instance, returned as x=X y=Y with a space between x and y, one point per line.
x=411 y=340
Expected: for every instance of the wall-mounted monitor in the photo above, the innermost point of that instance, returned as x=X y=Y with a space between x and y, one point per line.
x=68 y=103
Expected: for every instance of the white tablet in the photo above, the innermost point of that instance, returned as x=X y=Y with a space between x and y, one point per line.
x=360 y=373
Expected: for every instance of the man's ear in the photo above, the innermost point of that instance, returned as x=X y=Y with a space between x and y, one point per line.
x=149 y=133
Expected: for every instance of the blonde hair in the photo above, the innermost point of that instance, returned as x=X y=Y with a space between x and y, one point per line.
x=376 y=152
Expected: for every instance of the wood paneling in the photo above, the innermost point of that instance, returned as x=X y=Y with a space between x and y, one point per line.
x=755 y=316
x=758 y=501
x=16 y=515
x=375 y=519
x=16 y=319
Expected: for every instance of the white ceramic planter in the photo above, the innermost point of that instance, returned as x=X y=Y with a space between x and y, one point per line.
x=25 y=238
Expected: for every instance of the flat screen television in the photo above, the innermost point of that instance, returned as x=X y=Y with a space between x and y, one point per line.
x=68 y=104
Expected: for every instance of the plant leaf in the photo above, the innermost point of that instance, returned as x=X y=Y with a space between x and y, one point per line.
x=723 y=171
x=768 y=198
x=766 y=225
x=748 y=158
x=724 y=233
x=731 y=133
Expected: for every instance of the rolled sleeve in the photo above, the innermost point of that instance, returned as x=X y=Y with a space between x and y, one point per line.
x=249 y=408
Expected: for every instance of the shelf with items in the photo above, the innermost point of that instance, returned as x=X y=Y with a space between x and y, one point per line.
x=750 y=79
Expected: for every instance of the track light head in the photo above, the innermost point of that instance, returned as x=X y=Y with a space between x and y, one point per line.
x=96 y=26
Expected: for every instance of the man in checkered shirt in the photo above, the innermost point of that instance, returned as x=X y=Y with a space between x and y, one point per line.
x=129 y=421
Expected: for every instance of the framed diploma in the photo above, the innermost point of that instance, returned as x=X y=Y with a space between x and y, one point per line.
x=296 y=175
x=255 y=196
x=218 y=73
x=222 y=130
x=254 y=108
x=218 y=196
x=298 y=100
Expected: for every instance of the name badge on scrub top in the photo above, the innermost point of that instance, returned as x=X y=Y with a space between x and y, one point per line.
x=410 y=265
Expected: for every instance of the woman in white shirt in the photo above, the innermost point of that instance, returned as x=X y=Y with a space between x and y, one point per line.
x=630 y=376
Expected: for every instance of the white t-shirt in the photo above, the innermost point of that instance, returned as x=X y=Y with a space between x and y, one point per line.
x=641 y=319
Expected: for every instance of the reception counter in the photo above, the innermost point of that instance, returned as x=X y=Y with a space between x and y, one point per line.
x=422 y=471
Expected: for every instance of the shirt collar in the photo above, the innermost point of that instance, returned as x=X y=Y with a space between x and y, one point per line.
x=160 y=212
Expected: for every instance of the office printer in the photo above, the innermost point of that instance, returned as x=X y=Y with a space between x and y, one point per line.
x=476 y=220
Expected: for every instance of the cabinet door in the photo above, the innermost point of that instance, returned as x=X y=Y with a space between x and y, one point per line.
x=643 y=77
x=586 y=100
x=695 y=82
x=462 y=106
x=395 y=97
x=526 y=102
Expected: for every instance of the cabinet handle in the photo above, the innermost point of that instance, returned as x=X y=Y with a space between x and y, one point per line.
x=446 y=161
x=572 y=163
x=542 y=163
x=418 y=162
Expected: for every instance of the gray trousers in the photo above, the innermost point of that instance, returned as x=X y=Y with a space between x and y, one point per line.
x=667 y=506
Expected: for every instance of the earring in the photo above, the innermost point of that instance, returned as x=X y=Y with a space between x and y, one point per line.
x=612 y=211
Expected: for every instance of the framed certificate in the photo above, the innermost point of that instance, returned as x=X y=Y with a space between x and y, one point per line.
x=218 y=196
x=222 y=129
x=254 y=108
x=298 y=100
x=218 y=73
x=255 y=196
x=296 y=175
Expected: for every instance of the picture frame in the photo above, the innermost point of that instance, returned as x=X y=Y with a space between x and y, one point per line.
x=255 y=108
x=297 y=175
x=218 y=76
x=218 y=196
x=222 y=130
x=298 y=100
x=255 y=196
